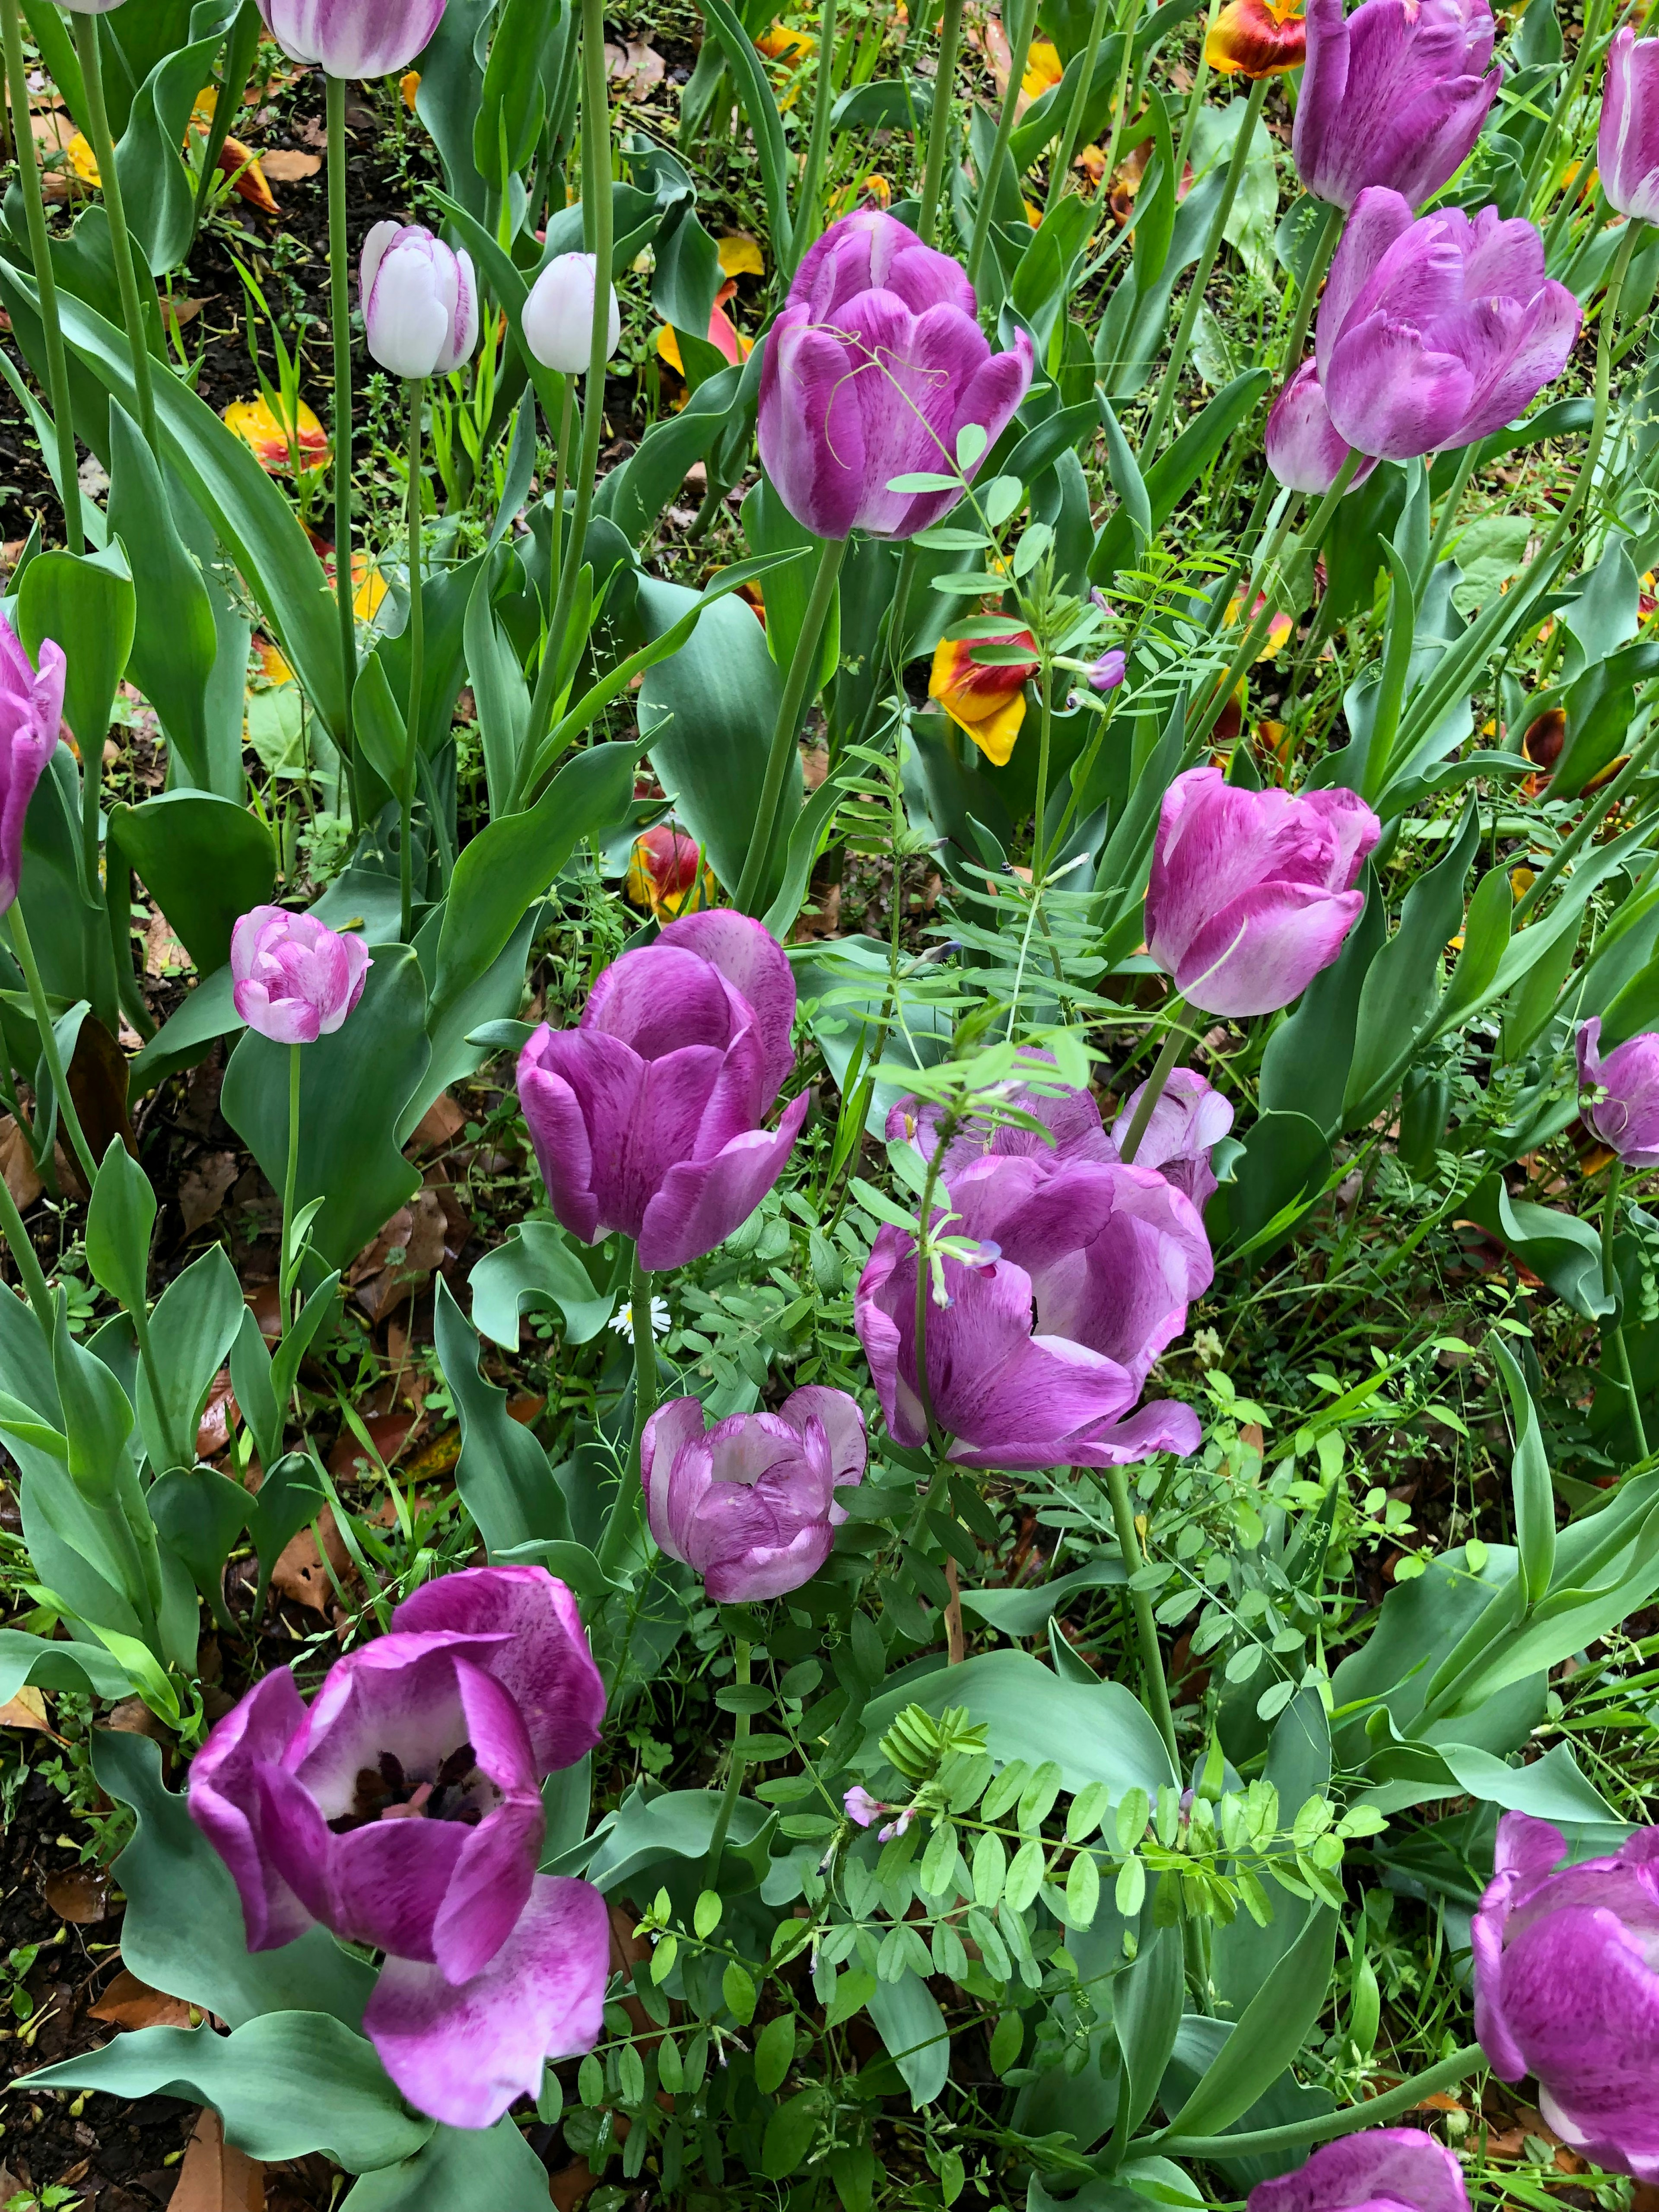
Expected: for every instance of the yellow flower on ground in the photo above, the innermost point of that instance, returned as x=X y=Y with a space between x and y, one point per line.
x=1043 y=68
x=408 y=84
x=740 y=255
x=985 y=700
x=257 y=424
x=785 y=42
x=1279 y=630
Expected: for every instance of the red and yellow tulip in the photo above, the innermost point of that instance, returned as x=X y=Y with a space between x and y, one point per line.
x=986 y=700
x=662 y=872
x=1257 y=38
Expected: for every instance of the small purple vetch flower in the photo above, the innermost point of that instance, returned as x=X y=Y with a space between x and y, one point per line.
x=1381 y=2170
x=1085 y=1272
x=647 y=1116
x=403 y=1810
x=859 y=1806
x=1627 y=1118
x=558 y=316
x=895 y=1827
x=1627 y=142
x=1302 y=449
x=353 y=38
x=1107 y=672
x=1395 y=95
x=420 y=300
x=751 y=1505
x=31 y=708
x=1566 y=1988
x=295 y=979
x=1252 y=892
x=1436 y=330
x=875 y=365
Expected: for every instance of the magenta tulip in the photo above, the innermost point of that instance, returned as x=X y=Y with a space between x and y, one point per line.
x=1566 y=1988
x=295 y=980
x=1628 y=143
x=1381 y=2170
x=1436 y=330
x=1302 y=448
x=1084 y=1273
x=751 y=1503
x=1252 y=892
x=1626 y=1117
x=353 y=38
x=1395 y=95
x=420 y=300
x=403 y=1811
x=647 y=1116
x=31 y=710
x=872 y=371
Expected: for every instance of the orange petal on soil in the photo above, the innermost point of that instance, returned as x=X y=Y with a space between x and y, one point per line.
x=257 y=423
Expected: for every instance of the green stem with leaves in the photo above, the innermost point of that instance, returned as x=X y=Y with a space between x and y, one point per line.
x=1613 y=1329
x=1169 y=1053
x=1020 y=48
x=1059 y=169
x=1307 y=298
x=618 y=1539
x=1140 y=1605
x=54 y=1059
x=803 y=669
x=45 y=283
x=126 y=273
x=27 y=1260
x=1369 y=2112
x=290 y=1185
x=805 y=227
x=733 y=1790
x=940 y=121
x=416 y=644
x=339 y=293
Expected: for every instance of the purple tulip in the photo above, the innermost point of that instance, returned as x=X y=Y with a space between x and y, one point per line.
x=1628 y=143
x=1302 y=448
x=875 y=365
x=353 y=38
x=403 y=1811
x=1436 y=330
x=1084 y=1273
x=647 y=1116
x=1627 y=1118
x=420 y=300
x=751 y=1505
x=1252 y=891
x=295 y=979
x=1382 y=2170
x=1566 y=1988
x=1395 y=95
x=1188 y=1121
x=31 y=708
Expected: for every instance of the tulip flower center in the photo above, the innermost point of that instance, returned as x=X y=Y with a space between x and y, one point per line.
x=383 y=1792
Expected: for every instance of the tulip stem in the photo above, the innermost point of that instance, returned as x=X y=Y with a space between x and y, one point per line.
x=240 y=52
x=1599 y=806
x=1443 y=529
x=54 y=1059
x=805 y=228
x=1019 y=54
x=1613 y=1331
x=803 y=670
x=126 y=275
x=1140 y=1603
x=1177 y=361
x=939 y=125
x=412 y=729
x=618 y=1537
x=339 y=293
x=1059 y=169
x=733 y=1790
x=290 y=1185
x=946 y=1131
x=45 y=283
x=1369 y=2112
x=1169 y=1053
x=1307 y=298
x=27 y=1260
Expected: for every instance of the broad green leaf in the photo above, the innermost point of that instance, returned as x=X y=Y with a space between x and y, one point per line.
x=502 y=1473
x=205 y=861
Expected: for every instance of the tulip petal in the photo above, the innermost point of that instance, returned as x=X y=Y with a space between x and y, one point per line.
x=489 y=1887
x=543 y=1661
x=465 y=2053
x=752 y=961
x=227 y=1805
x=843 y=1426
x=699 y=1203
x=1379 y=218
x=1394 y=2166
x=672 y=1430
x=387 y=1881
x=353 y=38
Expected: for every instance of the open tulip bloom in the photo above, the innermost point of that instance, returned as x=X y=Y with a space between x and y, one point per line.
x=1378 y=2170
x=353 y=38
x=403 y=1810
x=31 y=710
x=1394 y=95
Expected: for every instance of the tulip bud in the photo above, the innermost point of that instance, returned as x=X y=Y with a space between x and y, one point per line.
x=1302 y=448
x=558 y=316
x=1394 y=95
x=353 y=38
x=31 y=708
x=662 y=872
x=1256 y=39
x=1627 y=143
x=295 y=980
x=420 y=300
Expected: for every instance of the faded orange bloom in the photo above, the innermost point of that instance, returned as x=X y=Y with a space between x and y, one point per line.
x=987 y=701
x=1257 y=38
x=257 y=423
x=723 y=333
x=662 y=872
x=784 y=42
x=1279 y=628
x=408 y=84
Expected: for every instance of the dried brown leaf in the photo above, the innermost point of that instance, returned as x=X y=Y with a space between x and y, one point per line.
x=203 y=1186
x=216 y=2177
x=286 y=168
x=78 y=1894
x=129 y=2002
x=17 y=1164
x=27 y=1709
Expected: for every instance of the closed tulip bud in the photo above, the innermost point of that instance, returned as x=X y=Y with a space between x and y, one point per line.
x=295 y=979
x=1252 y=892
x=751 y=1505
x=1437 y=330
x=1625 y=1116
x=1628 y=143
x=1395 y=95
x=558 y=316
x=420 y=300
x=31 y=708
x=1402 y=2169
x=662 y=872
x=90 y=7
x=353 y=38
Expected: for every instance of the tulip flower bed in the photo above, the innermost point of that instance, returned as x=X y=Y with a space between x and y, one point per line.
x=829 y=1295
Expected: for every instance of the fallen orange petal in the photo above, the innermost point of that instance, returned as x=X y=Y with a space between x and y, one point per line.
x=239 y=163
x=408 y=84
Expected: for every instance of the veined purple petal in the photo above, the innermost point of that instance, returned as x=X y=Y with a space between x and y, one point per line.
x=1627 y=142
x=542 y=1659
x=700 y=1202
x=353 y=38
x=226 y=1806
x=1402 y=2169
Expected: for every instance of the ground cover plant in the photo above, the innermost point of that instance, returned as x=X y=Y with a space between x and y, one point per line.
x=828 y=1074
